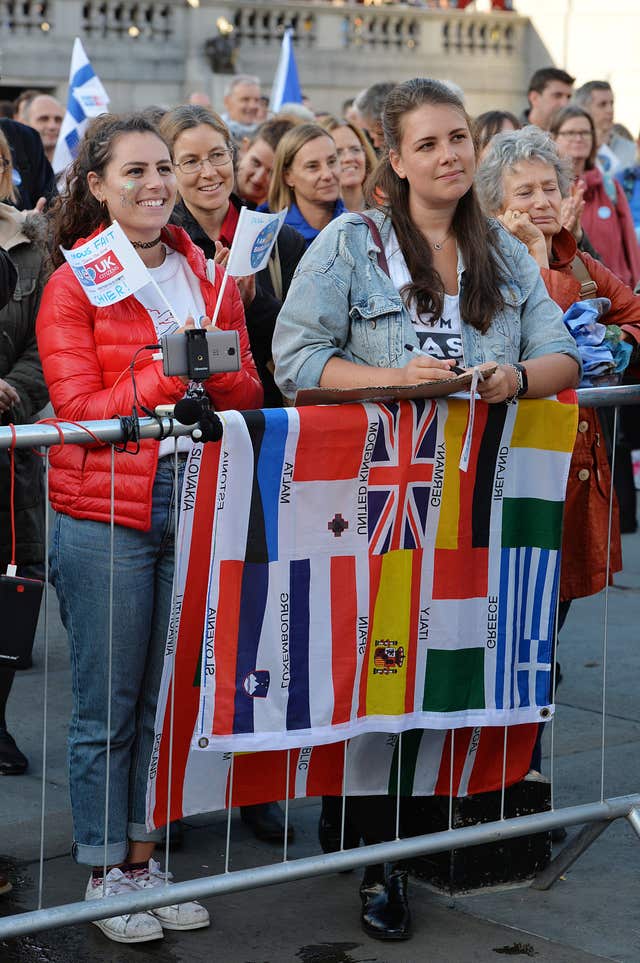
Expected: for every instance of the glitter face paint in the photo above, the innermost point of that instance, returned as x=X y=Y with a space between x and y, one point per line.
x=125 y=194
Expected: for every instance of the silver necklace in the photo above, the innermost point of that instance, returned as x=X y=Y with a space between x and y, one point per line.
x=438 y=245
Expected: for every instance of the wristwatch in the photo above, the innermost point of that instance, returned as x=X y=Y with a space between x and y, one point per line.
x=522 y=383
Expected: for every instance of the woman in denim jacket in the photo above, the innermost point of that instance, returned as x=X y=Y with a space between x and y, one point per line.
x=423 y=284
x=346 y=323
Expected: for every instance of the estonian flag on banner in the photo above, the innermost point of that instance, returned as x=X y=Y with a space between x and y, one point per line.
x=286 y=86
x=87 y=98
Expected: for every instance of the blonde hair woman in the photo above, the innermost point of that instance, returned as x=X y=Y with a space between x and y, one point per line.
x=306 y=179
x=357 y=161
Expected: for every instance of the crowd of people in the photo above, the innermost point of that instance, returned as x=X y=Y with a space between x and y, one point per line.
x=416 y=239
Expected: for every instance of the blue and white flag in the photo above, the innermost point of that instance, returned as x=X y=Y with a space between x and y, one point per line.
x=255 y=235
x=286 y=86
x=87 y=98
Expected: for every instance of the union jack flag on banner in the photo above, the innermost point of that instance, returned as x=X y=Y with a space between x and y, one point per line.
x=400 y=476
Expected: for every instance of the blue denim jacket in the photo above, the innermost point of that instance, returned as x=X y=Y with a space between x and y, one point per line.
x=341 y=303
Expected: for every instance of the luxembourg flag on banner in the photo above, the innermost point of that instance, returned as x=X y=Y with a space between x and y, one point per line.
x=87 y=98
x=286 y=86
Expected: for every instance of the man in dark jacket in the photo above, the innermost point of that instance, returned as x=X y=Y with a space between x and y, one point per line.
x=22 y=394
x=32 y=173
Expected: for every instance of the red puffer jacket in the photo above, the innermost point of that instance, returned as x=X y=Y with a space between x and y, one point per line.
x=86 y=352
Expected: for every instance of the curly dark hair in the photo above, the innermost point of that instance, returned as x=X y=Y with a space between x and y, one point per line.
x=76 y=213
x=480 y=299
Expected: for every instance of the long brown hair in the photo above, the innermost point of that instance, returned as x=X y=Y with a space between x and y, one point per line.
x=480 y=298
x=76 y=213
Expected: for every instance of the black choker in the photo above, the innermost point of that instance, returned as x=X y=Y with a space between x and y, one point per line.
x=145 y=245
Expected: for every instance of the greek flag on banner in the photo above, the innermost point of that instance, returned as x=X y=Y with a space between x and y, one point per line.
x=87 y=98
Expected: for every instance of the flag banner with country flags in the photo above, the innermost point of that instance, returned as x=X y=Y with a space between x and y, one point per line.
x=359 y=582
x=429 y=762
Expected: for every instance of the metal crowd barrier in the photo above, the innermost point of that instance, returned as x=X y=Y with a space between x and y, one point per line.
x=594 y=816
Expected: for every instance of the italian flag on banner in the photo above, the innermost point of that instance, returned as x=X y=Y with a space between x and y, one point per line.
x=350 y=608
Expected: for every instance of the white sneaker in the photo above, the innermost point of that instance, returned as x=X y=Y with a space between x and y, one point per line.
x=131 y=927
x=179 y=916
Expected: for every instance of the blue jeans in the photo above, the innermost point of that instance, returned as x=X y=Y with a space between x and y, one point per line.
x=142 y=580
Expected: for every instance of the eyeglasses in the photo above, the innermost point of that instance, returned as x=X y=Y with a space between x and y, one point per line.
x=354 y=151
x=582 y=134
x=217 y=158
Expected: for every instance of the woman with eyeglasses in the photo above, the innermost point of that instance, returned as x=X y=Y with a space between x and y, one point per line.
x=357 y=160
x=606 y=217
x=203 y=154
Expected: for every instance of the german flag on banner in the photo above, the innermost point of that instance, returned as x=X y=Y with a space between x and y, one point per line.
x=357 y=583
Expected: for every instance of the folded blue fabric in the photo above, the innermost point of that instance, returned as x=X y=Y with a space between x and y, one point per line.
x=603 y=353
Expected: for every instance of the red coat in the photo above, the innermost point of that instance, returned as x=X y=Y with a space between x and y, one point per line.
x=86 y=352
x=585 y=534
x=613 y=236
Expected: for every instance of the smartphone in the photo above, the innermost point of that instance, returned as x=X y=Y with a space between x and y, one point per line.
x=20 y=606
x=223 y=350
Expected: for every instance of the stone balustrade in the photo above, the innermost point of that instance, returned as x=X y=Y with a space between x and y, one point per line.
x=146 y=51
x=137 y=21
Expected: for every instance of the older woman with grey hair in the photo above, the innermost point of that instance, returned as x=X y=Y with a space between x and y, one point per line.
x=522 y=181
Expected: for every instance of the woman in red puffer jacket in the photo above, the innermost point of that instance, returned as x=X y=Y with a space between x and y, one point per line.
x=123 y=172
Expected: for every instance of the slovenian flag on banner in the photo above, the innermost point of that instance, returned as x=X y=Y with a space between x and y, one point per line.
x=286 y=86
x=87 y=98
x=342 y=598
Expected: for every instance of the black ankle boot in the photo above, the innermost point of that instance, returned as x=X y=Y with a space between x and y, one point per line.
x=385 y=909
x=330 y=827
x=12 y=761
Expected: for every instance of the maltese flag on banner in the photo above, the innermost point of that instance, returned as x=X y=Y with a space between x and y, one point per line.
x=108 y=267
x=87 y=98
x=286 y=86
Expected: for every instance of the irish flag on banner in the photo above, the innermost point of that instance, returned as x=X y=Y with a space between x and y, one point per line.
x=360 y=584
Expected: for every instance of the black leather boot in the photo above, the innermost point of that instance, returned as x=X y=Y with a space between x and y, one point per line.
x=385 y=909
x=330 y=826
x=12 y=761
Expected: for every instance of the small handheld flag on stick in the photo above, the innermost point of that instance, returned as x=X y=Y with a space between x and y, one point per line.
x=286 y=86
x=253 y=241
x=87 y=98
